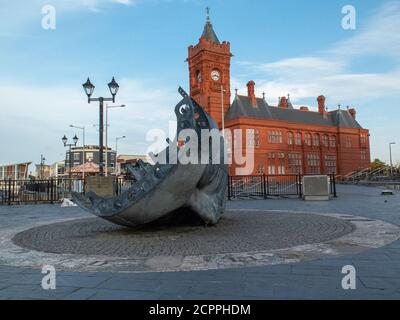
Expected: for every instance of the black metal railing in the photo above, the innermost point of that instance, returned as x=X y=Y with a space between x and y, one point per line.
x=239 y=187
x=47 y=190
x=264 y=186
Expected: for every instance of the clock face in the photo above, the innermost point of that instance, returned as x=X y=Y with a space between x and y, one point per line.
x=215 y=75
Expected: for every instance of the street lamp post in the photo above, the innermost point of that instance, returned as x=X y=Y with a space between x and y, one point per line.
x=84 y=147
x=109 y=107
x=89 y=88
x=391 y=160
x=66 y=144
x=42 y=161
x=222 y=111
x=116 y=151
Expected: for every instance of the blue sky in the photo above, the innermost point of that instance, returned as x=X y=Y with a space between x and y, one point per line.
x=286 y=46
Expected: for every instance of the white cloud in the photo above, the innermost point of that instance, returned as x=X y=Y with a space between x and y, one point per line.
x=15 y=15
x=37 y=118
x=380 y=35
x=330 y=72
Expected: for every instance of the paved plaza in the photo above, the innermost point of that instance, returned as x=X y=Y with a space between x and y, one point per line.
x=301 y=249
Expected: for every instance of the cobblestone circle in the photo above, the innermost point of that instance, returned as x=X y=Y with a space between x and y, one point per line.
x=238 y=231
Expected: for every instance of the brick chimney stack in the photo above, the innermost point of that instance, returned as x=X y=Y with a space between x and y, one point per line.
x=321 y=104
x=250 y=88
x=353 y=113
x=283 y=102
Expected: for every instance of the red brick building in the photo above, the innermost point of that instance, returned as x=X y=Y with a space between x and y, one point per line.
x=286 y=140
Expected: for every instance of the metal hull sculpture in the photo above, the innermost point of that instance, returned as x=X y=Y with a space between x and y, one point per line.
x=165 y=190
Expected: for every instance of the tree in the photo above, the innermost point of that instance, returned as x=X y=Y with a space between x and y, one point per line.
x=377 y=164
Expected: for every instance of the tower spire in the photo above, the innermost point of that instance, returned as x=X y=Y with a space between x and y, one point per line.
x=209 y=32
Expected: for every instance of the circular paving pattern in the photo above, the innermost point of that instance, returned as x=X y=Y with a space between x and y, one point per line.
x=243 y=238
x=238 y=231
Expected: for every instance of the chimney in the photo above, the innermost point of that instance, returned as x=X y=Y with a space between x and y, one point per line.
x=321 y=104
x=353 y=113
x=250 y=88
x=283 y=102
x=305 y=109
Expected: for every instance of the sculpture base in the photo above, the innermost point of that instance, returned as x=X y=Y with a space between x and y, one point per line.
x=102 y=186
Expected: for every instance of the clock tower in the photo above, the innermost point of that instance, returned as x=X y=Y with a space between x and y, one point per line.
x=209 y=73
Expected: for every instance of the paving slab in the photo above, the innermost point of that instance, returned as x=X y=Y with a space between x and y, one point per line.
x=378 y=270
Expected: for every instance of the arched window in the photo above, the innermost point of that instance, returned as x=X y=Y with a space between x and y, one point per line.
x=297 y=138
x=316 y=140
x=199 y=77
x=325 y=140
x=290 y=138
x=257 y=138
x=307 y=139
x=332 y=141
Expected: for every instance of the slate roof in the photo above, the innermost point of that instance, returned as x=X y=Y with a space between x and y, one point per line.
x=242 y=107
x=209 y=33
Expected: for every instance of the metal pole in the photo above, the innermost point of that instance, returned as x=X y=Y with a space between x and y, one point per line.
x=84 y=154
x=41 y=167
x=70 y=168
x=101 y=142
x=391 y=161
x=106 y=169
x=222 y=112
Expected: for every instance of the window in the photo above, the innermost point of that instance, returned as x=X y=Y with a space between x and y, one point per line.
x=275 y=136
x=290 y=138
x=316 y=140
x=281 y=165
x=332 y=141
x=89 y=156
x=363 y=138
x=325 y=140
x=295 y=163
x=363 y=155
x=280 y=138
x=250 y=138
x=307 y=139
x=76 y=156
x=313 y=164
x=330 y=164
x=271 y=169
x=297 y=139
x=68 y=155
x=271 y=162
x=261 y=169
x=76 y=164
x=348 y=142
x=257 y=138
x=271 y=155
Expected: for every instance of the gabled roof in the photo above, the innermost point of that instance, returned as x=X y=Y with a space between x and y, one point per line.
x=242 y=107
x=88 y=167
x=209 y=33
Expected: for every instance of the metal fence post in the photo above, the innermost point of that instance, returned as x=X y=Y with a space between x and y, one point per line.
x=229 y=188
x=51 y=191
x=264 y=187
x=9 y=191
x=334 y=185
x=300 y=186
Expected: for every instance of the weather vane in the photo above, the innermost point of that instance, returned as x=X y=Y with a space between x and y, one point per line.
x=208 y=13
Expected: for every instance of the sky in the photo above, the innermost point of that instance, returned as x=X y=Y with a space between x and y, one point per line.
x=285 y=46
